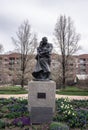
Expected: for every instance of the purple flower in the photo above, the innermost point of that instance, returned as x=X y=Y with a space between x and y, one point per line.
x=23 y=120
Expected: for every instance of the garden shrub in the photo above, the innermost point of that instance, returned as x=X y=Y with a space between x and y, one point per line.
x=83 y=83
x=58 y=126
x=2 y=124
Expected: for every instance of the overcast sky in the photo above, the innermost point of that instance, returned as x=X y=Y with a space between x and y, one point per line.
x=42 y=16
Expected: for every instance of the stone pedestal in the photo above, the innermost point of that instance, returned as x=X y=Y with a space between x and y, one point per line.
x=41 y=101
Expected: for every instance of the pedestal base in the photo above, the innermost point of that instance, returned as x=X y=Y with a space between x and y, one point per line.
x=41 y=100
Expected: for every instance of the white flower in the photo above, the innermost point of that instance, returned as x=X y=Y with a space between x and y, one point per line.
x=62 y=103
x=69 y=113
x=73 y=114
x=61 y=106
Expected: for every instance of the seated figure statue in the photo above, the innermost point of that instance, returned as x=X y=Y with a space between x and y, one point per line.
x=42 y=68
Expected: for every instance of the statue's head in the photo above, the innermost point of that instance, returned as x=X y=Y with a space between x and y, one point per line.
x=44 y=39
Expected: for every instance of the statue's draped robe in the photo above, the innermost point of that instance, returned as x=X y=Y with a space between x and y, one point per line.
x=42 y=68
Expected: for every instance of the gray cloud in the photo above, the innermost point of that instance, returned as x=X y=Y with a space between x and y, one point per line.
x=7 y=24
x=42 y=15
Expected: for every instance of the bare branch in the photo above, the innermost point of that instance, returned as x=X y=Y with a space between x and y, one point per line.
x=25 y=44
x=67 y=39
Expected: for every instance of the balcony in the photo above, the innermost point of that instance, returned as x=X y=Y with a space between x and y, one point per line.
x=82 y=61
x=83 y=66
x=82 y=71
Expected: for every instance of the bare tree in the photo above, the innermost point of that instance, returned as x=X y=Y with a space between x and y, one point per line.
x=67 y=41
x=25 y=44
x=1 y=48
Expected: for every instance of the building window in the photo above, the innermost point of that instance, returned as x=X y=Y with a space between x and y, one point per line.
x=82 y=71
x=10 y=74
x=0 y=58
x=6 y=59
x=82 y=61
x=71 y=64
x=83 y=66
x=11 y=60
x=11 y=68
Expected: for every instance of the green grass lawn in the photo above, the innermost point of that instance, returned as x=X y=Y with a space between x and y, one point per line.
x=73 y=91
x=12 y=90
x=67 y=91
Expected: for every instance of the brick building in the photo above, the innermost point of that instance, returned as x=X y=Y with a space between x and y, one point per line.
x=10 y=64
x=77 y=66
x=82 y=66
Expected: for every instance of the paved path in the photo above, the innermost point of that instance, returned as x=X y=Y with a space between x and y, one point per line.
x=57 y=96
x=72 y=97
x=16 y=96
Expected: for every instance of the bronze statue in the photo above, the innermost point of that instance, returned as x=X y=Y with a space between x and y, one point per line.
x=42 y=68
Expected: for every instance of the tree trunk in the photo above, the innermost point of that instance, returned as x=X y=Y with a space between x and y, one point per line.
x=63 y=82
x=22 y=83
x=22 y=80
x=63 y=72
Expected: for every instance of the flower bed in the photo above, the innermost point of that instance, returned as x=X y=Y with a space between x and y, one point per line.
x=14 y=115
x=74 y=113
